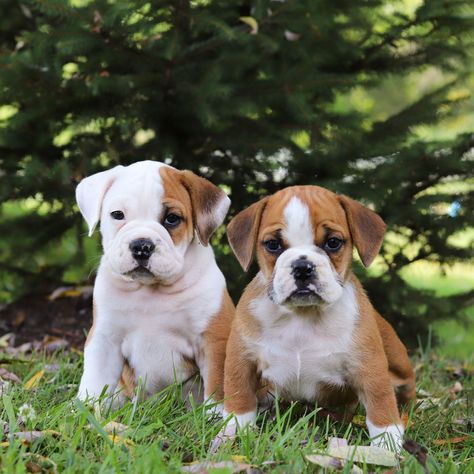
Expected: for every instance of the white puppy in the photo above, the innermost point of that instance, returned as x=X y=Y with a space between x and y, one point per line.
x=161 y=309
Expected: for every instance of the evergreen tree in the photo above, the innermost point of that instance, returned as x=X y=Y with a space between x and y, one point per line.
x=247 y=94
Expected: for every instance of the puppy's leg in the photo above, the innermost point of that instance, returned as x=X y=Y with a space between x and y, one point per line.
x=240 y=389
x=103 y=364
x=400 y=368
x=240 y=382
x=383 y=419
x=215 y=342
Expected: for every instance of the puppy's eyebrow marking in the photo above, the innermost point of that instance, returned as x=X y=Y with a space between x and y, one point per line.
x=299 y=230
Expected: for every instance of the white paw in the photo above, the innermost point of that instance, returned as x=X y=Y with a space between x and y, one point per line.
x=388 y=437
x=229 y=431
x=213 y=408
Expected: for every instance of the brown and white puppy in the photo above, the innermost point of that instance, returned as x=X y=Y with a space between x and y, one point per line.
x=161 y=308
x=304 y=327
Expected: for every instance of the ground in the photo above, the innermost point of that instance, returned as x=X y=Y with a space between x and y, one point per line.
x=46 y=430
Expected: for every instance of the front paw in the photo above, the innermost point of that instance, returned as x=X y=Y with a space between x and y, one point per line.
x=229 y=431
x=213 y=408
x=389 y=437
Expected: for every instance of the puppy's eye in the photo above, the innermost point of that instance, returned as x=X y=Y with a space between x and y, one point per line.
x=171 y=220
x=333 y=244
x=273 y=245
x=117 y=215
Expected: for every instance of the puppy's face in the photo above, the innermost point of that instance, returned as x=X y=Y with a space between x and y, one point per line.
x=150 y=214
x=303 y=238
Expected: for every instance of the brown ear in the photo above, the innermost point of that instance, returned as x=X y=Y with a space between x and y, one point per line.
x=367 y=229
x=242 y=232
x=209 y=203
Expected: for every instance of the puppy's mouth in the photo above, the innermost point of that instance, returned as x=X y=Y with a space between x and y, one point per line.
x=141 y=274
x=304 y=297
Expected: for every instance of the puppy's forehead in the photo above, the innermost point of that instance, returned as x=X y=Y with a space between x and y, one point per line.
x=300 y=210
x=141 y=181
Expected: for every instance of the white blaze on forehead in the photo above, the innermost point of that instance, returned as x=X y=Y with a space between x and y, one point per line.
x=299 y=231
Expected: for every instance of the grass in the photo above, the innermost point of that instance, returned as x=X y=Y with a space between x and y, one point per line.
x=456 y=339
x=164 y=435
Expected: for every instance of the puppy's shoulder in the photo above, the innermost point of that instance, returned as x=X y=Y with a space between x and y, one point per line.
x=245 y=320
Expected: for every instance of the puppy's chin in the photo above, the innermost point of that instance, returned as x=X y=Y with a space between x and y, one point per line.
x=304 y=298
x=144 y=276
x=141 y=275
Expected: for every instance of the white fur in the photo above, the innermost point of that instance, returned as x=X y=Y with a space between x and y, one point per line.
x=299 y=235
x=298 y=352
x=390 y=436
x=152 y=326
x=229 y=430
x=243 y=419
x=327 y=284
x=299 y=231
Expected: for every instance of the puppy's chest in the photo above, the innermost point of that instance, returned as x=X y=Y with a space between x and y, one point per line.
x=164 y=347
x=298 y=357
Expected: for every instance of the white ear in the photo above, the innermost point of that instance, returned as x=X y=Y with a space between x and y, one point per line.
x=90 y=193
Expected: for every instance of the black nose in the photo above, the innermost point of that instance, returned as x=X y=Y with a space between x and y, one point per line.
x=141 y=249
x=303 y=270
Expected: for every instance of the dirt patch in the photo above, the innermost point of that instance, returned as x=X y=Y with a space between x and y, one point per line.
x=64 y=313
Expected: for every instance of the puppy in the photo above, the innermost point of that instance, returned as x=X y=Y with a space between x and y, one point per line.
x=162 y=313
x=304 y=328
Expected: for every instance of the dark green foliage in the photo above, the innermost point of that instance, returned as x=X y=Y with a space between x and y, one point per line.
x=96 y=83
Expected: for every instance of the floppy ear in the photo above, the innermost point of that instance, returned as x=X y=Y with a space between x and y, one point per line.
x=242 y=232
x=209 y=203
x=367 y=229
x=90 y=193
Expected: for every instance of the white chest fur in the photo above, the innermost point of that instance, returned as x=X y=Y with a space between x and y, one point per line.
x=299 y=353
x=158 y=332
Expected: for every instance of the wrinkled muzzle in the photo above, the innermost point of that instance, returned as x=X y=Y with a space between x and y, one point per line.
x=304 y=276
x=145 y=252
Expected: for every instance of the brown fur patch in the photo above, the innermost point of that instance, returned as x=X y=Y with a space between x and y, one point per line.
x=199 y=199
x=215 y=337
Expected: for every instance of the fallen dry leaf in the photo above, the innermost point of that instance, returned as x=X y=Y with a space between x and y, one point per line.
x=19 y=319
x=458 y=439
x=70 y=292
x=21 y=349
x=455 y=390
x=33 y=382
x=365 y=454
x=30 y=436
x=6 y=375
x=467 y=422
x=5 y=340
x=337 y=442
x=418 y=451
x=428 y=403
x=205 y=466
x=33 y=462
x=53 y=343
x=116 y=439
x=329 y=462
x=113 y=427
x=423 y=393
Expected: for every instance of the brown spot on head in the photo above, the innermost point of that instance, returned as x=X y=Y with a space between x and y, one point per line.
x=201 y=205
